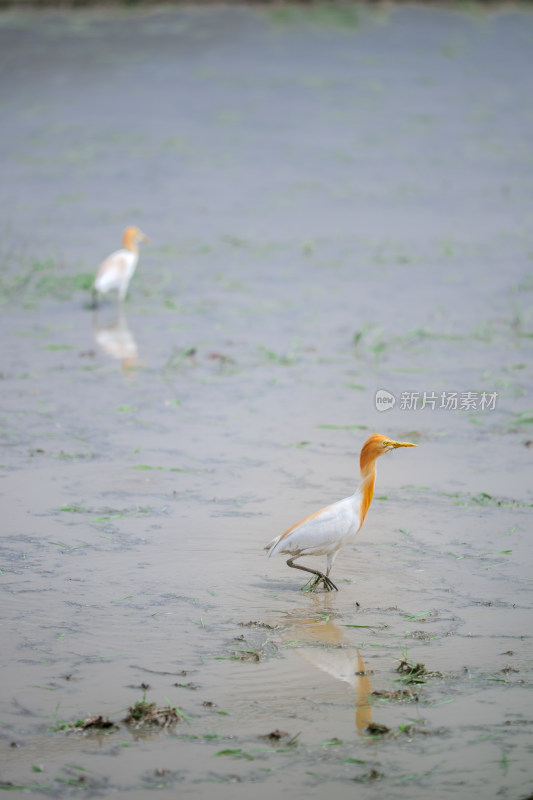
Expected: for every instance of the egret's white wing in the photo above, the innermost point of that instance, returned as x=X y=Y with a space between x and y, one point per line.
x=114 y=270
x=321 y=533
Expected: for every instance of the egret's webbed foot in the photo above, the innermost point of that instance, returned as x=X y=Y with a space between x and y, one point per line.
x=315 y=582
x=319 y=578
x=329 y=586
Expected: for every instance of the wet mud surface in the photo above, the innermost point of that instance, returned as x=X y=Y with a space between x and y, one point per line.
x=336 y=205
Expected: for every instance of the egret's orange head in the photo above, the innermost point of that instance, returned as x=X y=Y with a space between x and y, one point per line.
x=376 y=446
x=131 y=236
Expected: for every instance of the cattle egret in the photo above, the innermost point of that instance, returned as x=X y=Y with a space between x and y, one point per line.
x=326 y=531
x=116 y=271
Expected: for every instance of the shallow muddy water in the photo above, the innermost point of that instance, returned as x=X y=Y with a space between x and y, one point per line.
x=337 y=204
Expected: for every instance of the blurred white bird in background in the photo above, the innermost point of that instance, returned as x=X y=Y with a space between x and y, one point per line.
x=117 y=270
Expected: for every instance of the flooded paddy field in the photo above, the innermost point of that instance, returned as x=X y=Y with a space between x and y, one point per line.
x=338 y=203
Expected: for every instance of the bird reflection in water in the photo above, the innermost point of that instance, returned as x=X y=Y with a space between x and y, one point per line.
x=332 y=653
x=116 y=339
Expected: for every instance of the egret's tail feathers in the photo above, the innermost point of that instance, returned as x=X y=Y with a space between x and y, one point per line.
x=271 y=546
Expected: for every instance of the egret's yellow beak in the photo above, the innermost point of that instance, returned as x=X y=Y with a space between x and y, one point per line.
x=143 y=238
x=402 y=444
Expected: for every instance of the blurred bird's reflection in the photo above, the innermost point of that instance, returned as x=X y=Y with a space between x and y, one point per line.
x=328 y=649
x=116 y=339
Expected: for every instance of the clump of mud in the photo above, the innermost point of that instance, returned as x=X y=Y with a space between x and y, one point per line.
x=376 y=729
x=95 y=722
x=422 y=636
x=274 y=736
x=247 y=655
x=415 y=673
x=395 y=694
x=281 y=737
x=144 y=714
x=258 y=645
x=372 y=775
x=256 y=624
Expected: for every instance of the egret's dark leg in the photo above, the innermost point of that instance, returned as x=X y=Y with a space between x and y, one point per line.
x=94 y=299
x=329 y=586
